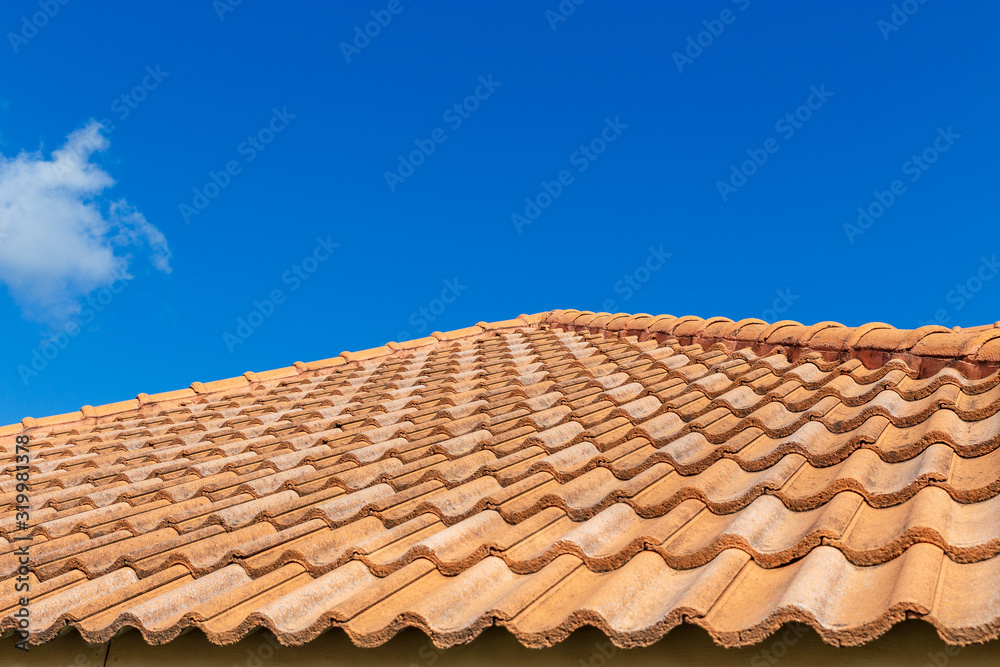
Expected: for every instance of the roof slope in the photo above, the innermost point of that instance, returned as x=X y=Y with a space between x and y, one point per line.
x=543 y=473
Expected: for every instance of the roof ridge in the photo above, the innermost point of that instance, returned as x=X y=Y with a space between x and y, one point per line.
x=974 y=352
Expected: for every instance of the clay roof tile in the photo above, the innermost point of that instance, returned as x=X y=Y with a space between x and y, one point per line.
x=538 y=473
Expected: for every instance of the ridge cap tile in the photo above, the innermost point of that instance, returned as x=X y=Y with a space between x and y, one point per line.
x=914 y=336
x=859 y=332
x=661 y=324
x=736 y=333
x=713 y=322
x=688 y=325
x=766 y=335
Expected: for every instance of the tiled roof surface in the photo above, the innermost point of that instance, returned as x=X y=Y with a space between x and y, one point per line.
x=543 y=473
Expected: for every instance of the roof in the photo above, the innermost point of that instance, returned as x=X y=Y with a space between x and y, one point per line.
x=556 y=470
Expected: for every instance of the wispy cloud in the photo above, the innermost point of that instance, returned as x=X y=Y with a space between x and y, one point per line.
x=60 y=239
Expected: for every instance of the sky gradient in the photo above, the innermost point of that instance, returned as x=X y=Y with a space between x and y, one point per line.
x=190 y=190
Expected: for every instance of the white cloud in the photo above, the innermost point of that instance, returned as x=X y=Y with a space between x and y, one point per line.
x=59 y=239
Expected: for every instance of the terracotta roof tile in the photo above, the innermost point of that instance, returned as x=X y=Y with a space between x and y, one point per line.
x=568 y=468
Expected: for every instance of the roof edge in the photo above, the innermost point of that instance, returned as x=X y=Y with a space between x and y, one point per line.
x=207 y=389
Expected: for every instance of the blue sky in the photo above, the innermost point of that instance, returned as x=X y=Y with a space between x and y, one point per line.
x=195 y=189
